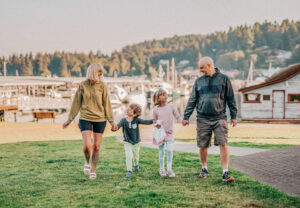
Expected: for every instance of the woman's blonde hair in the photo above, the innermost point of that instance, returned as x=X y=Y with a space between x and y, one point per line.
x=157 y=94
x=92 y=72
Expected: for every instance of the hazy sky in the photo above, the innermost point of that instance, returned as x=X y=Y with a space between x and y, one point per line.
x=84 y=25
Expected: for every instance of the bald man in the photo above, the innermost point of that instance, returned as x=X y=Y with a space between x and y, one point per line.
x=211 y=93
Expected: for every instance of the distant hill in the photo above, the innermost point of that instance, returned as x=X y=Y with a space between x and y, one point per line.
x=233 y=49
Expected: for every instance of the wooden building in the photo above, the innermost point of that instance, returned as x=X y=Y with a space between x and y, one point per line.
x=275 y=100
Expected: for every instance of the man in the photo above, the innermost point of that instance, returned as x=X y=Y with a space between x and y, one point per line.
x=210 y=95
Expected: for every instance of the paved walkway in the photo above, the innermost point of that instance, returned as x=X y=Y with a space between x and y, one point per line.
x=279 y=168
x=192 y=147
x=146 y=135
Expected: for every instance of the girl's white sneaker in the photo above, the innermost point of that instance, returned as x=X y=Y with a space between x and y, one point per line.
x=171 y=173
x=162 y=173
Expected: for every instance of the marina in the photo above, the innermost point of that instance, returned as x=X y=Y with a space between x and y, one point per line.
x=22 y=97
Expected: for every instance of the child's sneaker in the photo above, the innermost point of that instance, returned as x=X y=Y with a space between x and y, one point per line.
x=136 y=168
x=226 y=177
x=162 y=173
x=93 y=176
x=171 y=173
x=128 y=174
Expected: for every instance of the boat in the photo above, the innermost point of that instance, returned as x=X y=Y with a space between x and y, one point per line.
x=121 y=93
x=114 y=100
x=138 y=97
x=184 y=89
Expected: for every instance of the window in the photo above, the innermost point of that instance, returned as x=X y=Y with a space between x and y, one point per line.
x=266 y=97
x=294 y=98
x=252 y=98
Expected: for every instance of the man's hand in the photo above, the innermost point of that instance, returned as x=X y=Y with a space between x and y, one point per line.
x=233 y=122
x=65 y=125
x=185 y=122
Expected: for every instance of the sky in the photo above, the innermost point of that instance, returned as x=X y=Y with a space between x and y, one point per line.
x=91 y=25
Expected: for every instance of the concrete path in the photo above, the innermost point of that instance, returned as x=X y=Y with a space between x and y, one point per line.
x=192 y=147
x=279 y=168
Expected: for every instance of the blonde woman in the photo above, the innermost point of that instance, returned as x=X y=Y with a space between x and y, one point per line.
x=93 y=102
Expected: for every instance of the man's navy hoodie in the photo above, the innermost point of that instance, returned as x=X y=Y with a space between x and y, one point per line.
x=210 y=96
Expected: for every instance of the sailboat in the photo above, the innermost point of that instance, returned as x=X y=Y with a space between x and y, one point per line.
x=114 y=100
x=121 y=93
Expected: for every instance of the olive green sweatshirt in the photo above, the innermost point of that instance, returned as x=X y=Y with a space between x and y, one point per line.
x=93 y=102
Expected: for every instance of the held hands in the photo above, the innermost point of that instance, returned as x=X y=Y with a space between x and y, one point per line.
x=185 y=122
x=157 y=124
x=233 y=122
x=114 y=127
x=65 y=125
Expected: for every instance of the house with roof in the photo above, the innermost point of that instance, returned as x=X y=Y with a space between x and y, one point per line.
x=276 y=99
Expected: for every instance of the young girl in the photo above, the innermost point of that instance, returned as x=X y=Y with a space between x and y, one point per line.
x=165 y=112
x=131 y=134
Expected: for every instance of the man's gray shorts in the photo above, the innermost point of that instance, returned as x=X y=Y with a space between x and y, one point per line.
x=205 y=128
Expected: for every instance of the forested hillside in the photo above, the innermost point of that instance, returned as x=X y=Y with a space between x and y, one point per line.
x=232 y=49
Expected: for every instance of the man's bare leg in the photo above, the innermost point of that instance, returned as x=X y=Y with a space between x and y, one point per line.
x=203 y=156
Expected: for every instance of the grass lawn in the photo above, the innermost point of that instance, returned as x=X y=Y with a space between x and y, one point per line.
x=49 y=174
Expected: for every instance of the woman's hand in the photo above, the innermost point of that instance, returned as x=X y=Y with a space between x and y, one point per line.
x=65 y=125
x=114 y=127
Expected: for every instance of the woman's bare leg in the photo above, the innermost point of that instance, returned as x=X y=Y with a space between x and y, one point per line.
x=96 y=150
x=87 y=145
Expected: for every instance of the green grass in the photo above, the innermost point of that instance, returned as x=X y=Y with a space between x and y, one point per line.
x=49 y=174
x=257 y=145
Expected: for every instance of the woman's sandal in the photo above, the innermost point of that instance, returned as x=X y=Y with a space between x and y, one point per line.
x=87 y=169
x=92 y=176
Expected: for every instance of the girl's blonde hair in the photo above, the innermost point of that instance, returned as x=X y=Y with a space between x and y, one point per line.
x=92 y=72
x=157 y=94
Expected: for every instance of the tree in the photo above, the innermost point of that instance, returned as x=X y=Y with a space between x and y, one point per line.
x=64 y=72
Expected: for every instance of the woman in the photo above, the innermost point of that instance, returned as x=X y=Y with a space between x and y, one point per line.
x=92 y=100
